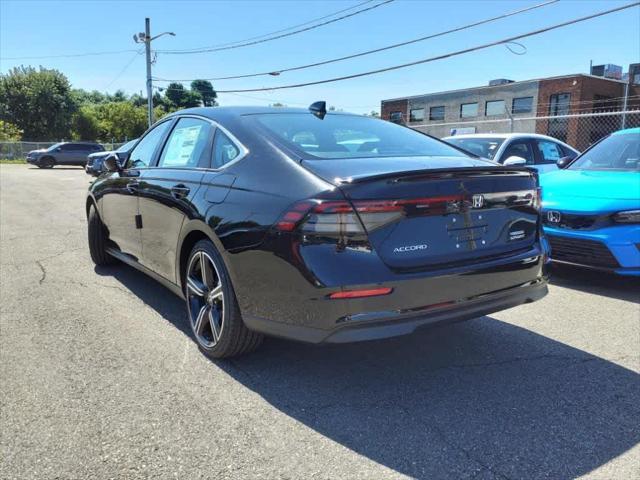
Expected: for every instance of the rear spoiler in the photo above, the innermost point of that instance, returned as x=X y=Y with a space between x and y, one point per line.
x=441 y=173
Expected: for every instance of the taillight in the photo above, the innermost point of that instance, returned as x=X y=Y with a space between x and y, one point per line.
x=321 y=217
x=342 y=217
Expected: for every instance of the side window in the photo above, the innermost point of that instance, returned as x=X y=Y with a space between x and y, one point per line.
x=550 y=152
x=520 y=149
x=142 y=155
x=188 y=145
x=224 y=150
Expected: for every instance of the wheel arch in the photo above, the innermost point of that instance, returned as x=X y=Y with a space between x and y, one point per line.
x=91 y=201
x=191 y=234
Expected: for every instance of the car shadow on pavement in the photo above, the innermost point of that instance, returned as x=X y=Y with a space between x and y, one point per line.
x=482 y=399
x=597 y=282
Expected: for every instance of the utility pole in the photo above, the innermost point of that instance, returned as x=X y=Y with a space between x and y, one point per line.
x=147 y=47
x=146 y=38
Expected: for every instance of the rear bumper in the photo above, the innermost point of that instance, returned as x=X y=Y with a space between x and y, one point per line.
x=386 y=324
x=618 y=244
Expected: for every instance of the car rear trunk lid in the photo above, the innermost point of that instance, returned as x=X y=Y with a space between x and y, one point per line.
x=432 y=217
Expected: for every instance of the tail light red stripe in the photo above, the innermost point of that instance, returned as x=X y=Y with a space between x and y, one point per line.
x=370 y=292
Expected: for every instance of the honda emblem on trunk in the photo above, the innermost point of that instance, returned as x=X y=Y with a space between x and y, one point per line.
x=477 y=201
x=554 y=216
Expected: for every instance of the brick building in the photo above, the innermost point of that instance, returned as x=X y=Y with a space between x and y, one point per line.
x=524 y=106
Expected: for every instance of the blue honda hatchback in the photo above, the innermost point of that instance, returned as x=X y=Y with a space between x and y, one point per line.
x=591 y=208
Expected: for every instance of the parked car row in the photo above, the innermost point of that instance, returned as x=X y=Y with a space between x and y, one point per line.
x=84 y=154
x=328 y=227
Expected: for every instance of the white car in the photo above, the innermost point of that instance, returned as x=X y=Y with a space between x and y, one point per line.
x=537 y=151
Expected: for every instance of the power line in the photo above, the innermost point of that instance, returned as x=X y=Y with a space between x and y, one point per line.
x=369 y=52
x=255 y=42
x=291 y=27
x=439 y=57
x=124 y=69
x=116 y=52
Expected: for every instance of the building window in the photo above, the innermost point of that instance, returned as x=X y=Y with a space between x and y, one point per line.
x=559 y=104
x=436 y=113
x=522 y=105
x=416 y=115
x=396 y=117
x=468 y=110
x=494 y=107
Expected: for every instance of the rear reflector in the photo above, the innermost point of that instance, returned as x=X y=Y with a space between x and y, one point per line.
x=371 y=292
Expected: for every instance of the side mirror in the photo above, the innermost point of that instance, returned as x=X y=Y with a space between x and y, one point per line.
x=112 y=163
x=514 y=161
x=564 y=162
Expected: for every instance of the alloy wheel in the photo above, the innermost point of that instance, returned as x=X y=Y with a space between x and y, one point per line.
x=205 y=299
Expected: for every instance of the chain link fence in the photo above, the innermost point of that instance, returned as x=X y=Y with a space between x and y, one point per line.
x=19 y=150
x=578 y=130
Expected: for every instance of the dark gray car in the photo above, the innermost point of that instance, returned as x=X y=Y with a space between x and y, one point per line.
x=95 y=161
x=64 y=153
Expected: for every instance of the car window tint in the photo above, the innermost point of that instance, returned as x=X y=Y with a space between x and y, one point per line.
x=188 y=145
x=620 y=151
x=520 y=149
x=142 y=155
x=550 y=152
x=224 y=150
x=339 y=136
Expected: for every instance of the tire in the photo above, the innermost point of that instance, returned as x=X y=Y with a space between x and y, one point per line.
x=46 y=162
x=97 y=237
x=213 y=311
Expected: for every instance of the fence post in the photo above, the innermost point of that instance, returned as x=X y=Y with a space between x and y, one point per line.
x=625 y=104
x=510 y=118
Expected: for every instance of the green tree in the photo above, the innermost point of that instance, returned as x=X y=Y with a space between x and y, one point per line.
x=175 y=93
x=39 y=102
x=86 y=125
x=206 y=91
x=180 y=97
x=120 y=120
x=9 y=132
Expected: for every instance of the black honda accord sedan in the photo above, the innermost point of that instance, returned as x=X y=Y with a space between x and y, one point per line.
x=316 y=226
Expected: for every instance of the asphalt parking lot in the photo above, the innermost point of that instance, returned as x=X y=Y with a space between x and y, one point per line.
x=100 y=378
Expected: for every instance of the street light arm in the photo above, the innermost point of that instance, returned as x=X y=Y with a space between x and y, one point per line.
x=163 y=33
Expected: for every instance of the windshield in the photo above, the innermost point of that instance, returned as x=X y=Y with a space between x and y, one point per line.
x=127 y=146
x=351 y=136
x=483 y=147
x=54 y=146
x=620 y=151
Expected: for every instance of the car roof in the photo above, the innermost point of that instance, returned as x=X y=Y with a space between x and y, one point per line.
x=219 y=113
x=626 y=131
x=503 y=135
x=506 y=136
x=79 y=143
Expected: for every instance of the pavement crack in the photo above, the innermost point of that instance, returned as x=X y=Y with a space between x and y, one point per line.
x=445 y=439
x=44 y=272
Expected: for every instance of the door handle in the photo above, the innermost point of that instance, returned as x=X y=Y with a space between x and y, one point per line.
x=180 y=191
x=133 y=186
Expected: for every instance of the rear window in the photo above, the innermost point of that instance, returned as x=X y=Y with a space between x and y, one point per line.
x=351 y=136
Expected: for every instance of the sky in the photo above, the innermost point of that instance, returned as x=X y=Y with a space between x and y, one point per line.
x=48 y=28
